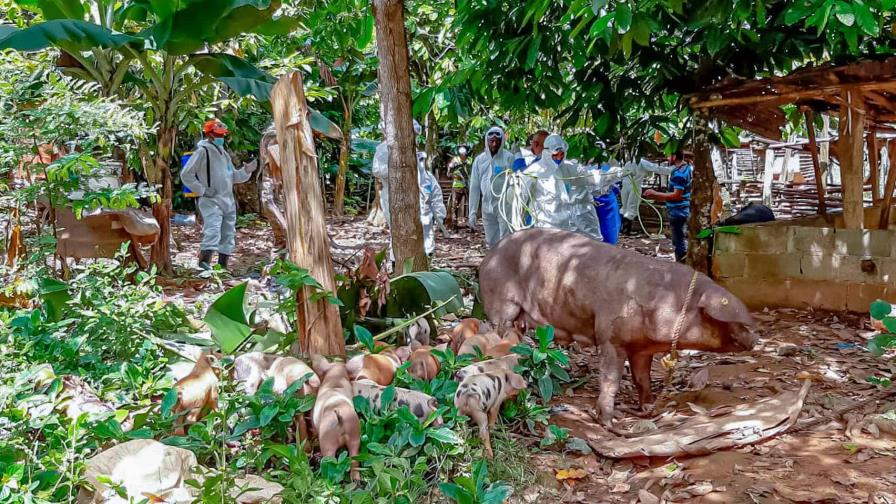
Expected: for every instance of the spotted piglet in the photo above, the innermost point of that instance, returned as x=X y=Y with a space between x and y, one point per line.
x=480 y=397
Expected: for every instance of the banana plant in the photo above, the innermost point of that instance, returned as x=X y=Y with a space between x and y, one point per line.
x=160 y=51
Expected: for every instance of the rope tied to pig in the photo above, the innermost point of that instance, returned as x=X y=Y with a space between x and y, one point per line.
x=670 y=360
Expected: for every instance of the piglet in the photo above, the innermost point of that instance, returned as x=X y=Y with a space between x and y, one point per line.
x=379 y=367
x=616 y=299
x=424 y=365
x=506 y=363
x=421 y=405
x=465 y=329
x=480 y=397
x=197 y=393
x=250 y=370
x=334 y=417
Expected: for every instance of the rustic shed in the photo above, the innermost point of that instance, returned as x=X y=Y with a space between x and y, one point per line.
x=835 y=260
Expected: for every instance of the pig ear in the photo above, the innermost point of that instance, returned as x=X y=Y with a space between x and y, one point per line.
x=320 y=364
x=719 y=304
x=516 y=381
x=415 y=345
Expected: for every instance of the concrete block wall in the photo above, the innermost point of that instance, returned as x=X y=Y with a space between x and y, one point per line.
x=791 y=265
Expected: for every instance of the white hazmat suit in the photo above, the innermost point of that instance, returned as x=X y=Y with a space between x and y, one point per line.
x=548 y=199
x=580 y=186
x=380 y=169
x=432 y=208
x=632 y=185
x=486 y=179
x=210 y=174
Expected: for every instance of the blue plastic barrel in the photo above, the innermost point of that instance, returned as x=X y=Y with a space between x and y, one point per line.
x=608 y=215
x=183 y=162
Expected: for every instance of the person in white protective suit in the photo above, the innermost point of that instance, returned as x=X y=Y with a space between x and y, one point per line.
x=432 y=208
x=210 y=174
x=547 y=198
x=632 y=185
x=579 y=184
x=380 y=169
x=486 y=180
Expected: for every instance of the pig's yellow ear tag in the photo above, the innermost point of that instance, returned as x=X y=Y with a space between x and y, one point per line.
x=724 y=301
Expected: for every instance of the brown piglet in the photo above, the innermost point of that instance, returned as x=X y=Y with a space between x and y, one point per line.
x=333 y=417
x=197 y=393
x=424 y=365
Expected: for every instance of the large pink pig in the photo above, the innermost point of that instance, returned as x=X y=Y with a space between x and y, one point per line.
x=619 y=300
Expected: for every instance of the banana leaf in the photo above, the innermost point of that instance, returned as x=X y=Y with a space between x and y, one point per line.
x=72 y=33
x=414 y=293
x=228 y=321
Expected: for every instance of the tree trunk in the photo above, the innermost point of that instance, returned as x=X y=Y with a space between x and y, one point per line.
x=395 y=94
x=160 y=254
x=318 y=325
x=703 y=183
x=344 y=150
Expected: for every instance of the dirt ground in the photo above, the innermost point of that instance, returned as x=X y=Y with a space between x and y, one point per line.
x=836 y=460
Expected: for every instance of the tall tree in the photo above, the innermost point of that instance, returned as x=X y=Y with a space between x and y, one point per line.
x=160 y=50
x=395 y=94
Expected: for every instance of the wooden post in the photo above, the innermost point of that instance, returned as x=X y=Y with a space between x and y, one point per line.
x=873 y=161
x=889 y=187
x=816 y=164
x=851 y=147
x=395 y=95
x=318 y=325
x=703 y=186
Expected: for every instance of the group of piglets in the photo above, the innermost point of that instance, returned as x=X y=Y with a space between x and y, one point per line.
x=483 y=386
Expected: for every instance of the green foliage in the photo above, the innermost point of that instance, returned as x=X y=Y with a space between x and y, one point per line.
x=476 y=489
x=886 y=340
x=544 y=364
x=228 y=321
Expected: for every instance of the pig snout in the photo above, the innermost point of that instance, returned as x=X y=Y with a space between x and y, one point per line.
x=740 y=338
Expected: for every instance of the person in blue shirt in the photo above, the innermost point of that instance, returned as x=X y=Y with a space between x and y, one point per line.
x=678 y=201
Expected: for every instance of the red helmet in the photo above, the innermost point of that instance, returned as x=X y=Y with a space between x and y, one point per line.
x=214 y=127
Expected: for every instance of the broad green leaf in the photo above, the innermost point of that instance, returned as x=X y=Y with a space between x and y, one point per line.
x=281 y=25
x=890 y=324
x=445 y=435
x=455 y=493
x=168 y=401
x=496 y=494
x=880 y=343
x=54 y=294
x=533 y=52
x=71 y=33
x=267 y=414
x=546 y=388
x=212 y=21
x=244 y=427
x=730 y=138
x=844 y=13
x=364 y=336
x=641 y=31
x=597 y=5
x=227 y=319
x=480 y=475
x=61 y=9
x=623 y=17
x=880 y=309
x=365 y=36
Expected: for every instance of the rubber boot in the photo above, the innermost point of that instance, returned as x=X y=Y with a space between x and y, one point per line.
x=627 y=226
x=205 y=259
x=222 y=260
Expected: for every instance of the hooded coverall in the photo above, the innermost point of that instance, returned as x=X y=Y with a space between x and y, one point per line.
x=486 y=177
x=210 y=174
